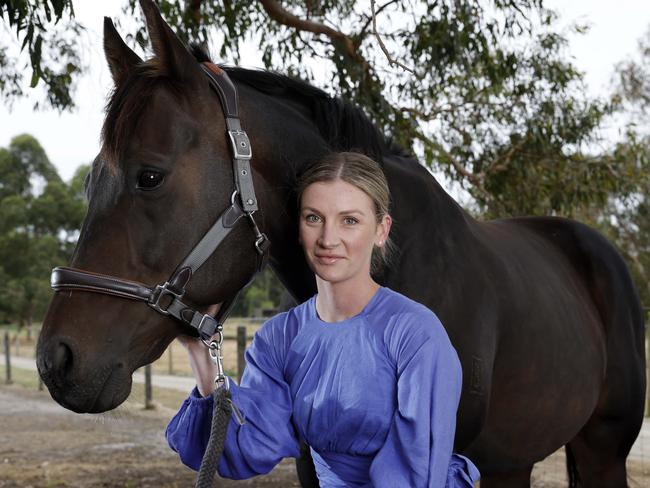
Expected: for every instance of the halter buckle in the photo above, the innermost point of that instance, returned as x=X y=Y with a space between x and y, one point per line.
x=158 y=294
x=208 y=326
x=241 y=145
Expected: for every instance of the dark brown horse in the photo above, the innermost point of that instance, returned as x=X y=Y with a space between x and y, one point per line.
x=542 y=311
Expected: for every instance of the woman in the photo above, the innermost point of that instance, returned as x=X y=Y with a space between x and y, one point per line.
x=365 y=376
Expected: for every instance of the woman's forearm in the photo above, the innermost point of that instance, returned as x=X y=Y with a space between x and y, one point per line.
x=203 y=368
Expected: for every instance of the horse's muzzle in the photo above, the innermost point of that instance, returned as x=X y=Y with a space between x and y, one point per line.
x=76 y=389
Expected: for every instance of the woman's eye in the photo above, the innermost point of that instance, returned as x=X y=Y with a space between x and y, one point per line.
x=149 y=179
x=350 y=220
x=311 y=218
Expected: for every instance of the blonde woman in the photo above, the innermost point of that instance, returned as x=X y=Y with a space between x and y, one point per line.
x=364 y=375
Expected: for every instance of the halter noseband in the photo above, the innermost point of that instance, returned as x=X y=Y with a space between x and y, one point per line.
x=166 y=298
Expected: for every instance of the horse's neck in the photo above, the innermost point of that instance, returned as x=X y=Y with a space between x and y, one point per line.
x=431 y=231
x=423 y=203
x=428 y=220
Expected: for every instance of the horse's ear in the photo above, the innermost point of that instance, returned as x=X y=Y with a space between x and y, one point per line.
x=174 y=58
x=121 y=59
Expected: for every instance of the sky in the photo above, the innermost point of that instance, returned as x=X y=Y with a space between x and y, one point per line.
x=71 y=139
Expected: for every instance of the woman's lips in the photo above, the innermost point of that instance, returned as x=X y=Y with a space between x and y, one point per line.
x=325 y=259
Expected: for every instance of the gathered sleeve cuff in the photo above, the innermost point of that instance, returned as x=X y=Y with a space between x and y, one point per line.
x=267 y=435
x=189 y=430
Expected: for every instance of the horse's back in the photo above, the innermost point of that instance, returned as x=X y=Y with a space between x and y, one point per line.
x=604 y=273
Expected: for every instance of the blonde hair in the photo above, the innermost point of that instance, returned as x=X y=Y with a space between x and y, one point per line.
x=365 y=174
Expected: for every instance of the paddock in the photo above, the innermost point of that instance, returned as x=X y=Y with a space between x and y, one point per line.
x=43 y=445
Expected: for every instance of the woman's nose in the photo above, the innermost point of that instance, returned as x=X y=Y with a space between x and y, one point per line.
x=329 y=236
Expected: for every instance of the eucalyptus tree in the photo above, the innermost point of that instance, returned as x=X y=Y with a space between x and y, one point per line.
x=483 y=91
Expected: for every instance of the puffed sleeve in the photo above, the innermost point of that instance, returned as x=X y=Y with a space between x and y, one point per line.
x=267 y=435
x=418 y=448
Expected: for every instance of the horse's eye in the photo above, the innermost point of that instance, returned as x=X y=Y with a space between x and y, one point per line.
x=149 y=179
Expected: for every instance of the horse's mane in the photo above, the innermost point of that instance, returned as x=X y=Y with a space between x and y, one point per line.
x=344 y=126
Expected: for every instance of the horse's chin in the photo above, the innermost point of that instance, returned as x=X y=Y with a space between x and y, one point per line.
x=109 y=394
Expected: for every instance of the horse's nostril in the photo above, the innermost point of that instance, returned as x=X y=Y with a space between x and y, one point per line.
x=62 y=359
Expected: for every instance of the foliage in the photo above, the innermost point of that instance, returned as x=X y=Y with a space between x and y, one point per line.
x=264 y=293
x=39 y=220
x=50 y=34
x=633 y=87
x=626 y=220
x=481 y=90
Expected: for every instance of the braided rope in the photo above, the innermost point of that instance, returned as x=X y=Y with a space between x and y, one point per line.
x=220 y=418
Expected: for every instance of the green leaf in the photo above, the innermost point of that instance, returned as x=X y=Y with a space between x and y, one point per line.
x=35 y=78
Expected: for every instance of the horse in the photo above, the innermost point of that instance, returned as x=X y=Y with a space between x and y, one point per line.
x=541 y=310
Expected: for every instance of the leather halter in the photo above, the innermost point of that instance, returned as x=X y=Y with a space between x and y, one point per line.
x=166 y=298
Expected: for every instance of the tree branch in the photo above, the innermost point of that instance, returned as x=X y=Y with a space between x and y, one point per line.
x=381 y=43
x=362 y=32
x=282 y=16
x=474 y=178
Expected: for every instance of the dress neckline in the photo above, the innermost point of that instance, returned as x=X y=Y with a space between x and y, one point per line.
x=364 y=311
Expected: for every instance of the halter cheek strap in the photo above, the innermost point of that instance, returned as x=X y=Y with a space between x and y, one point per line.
x=166 y=298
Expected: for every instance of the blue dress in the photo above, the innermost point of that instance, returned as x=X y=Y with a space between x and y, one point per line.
x=374 y=396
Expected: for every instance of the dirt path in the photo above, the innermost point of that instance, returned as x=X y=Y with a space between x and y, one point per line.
x=43 y=445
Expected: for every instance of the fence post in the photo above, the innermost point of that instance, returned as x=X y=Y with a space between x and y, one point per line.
x=7 y=359
x=241 y=349
x=148 y=395
x=647 y=364
x=40 y=380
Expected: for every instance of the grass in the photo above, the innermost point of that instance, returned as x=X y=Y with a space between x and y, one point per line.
x=22 y=377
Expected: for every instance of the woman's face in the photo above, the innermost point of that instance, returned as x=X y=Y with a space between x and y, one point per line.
x=338 y=229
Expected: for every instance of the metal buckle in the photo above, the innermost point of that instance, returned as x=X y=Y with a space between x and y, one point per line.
x=208 y=319
x=159 y=292
x=241 y=146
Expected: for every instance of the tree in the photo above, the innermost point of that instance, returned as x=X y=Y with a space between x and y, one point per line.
x=39 y=220
x=49 y=32
x=481 y=90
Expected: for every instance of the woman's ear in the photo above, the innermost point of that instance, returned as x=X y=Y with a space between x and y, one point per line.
x=383 y=229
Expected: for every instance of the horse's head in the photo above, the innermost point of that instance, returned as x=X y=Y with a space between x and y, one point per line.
x=163 y=176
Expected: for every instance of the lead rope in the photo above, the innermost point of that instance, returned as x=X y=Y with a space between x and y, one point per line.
x=223 y=408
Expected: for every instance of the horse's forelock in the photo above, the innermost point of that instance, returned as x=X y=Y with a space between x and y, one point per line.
x=126 y=105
